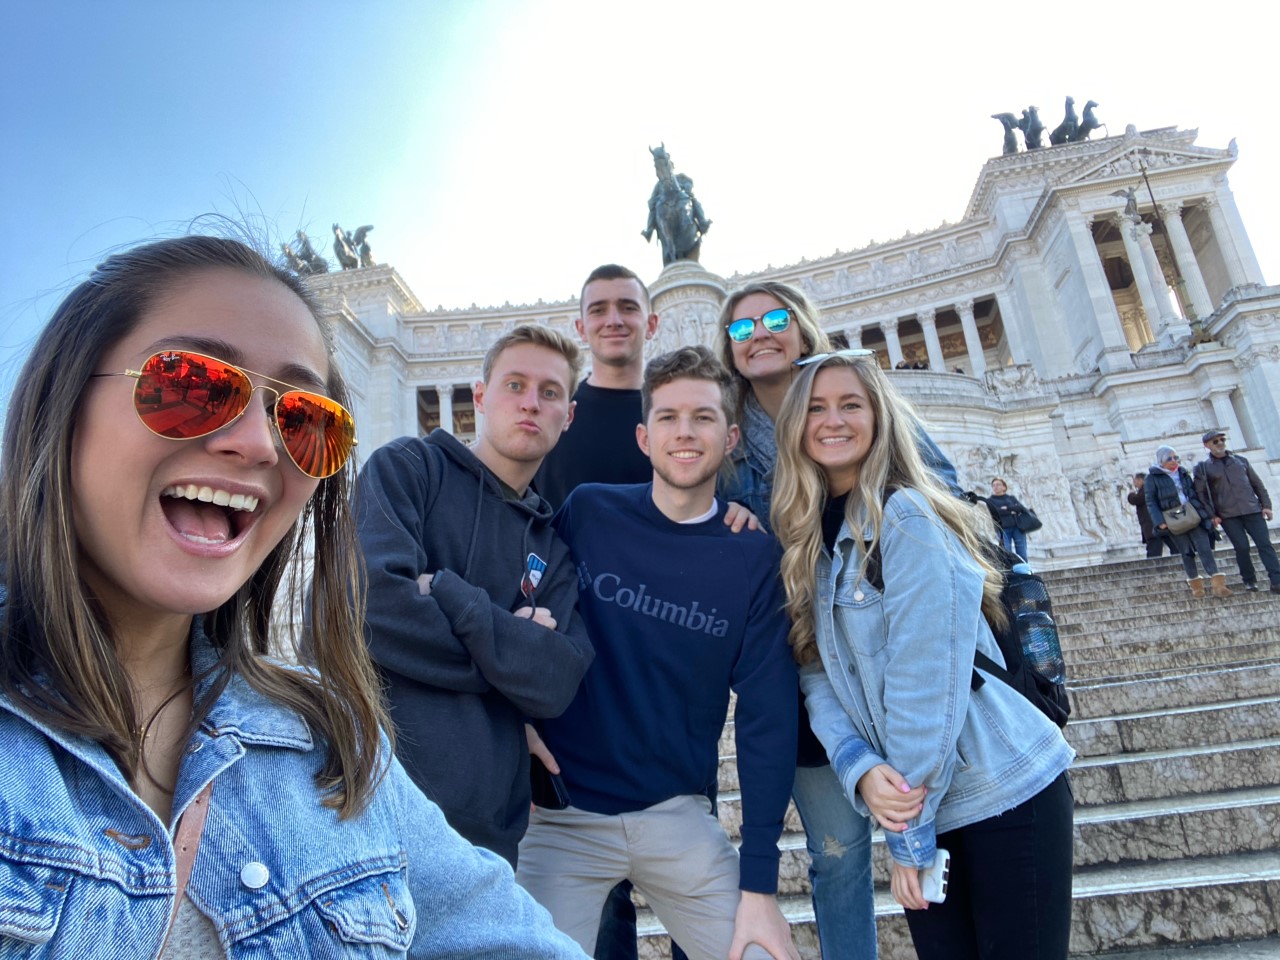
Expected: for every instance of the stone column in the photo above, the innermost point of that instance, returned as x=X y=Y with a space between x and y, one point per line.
x=890 y=328
x=1170 y=327
x=1235 y=227
x=972 y=339
x=1138 y=265
x=929 y=324
x=1224 y=416
x=1113 y=345
x=853 y=335
x=1226 y=242
x=1196 y=292
x=445 y=392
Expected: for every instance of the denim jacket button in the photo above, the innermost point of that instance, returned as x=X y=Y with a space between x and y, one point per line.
x=858 y=595
x=254 y=875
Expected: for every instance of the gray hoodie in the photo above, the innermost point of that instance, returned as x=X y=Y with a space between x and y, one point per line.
x=462 y=672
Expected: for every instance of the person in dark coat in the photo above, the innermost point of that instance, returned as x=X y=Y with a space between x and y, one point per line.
x=1168 y=487
x=1238 y=502
x=1005 y=510
x=1153 y=539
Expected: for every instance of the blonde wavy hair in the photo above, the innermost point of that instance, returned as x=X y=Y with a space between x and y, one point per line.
x=800 y=493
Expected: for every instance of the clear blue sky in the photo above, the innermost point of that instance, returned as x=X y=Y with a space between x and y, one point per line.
x=499 y=147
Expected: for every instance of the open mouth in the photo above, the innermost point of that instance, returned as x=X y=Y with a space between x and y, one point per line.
x=207 y=515
x=685 y=455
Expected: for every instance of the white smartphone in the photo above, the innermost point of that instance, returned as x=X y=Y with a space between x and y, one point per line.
x=935 y=877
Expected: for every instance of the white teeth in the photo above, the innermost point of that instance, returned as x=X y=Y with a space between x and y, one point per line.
x=236 y=501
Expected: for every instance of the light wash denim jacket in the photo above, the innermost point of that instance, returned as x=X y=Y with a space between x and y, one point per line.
x=893 y=682
x=87 y=870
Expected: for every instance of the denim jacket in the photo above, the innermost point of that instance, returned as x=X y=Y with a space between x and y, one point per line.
x=893 y=684
x=87 y=870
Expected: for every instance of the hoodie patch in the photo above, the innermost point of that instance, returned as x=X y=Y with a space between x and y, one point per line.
x=534 y=567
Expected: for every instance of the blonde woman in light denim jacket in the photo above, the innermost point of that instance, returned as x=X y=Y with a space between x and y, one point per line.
x=889 y=678
x=169 y=789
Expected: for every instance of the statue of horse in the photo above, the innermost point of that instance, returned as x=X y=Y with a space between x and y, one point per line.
x=1010 y=123
x=1088 y=124
x=307 y=253
x=674 y=212
x=1066 y=130
x=344 y=250
x=1032 y=128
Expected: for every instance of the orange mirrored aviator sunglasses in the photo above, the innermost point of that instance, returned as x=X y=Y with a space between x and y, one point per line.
x=182 y=395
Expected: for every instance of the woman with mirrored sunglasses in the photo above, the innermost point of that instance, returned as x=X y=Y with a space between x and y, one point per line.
x=176 y=444
x=765 y=329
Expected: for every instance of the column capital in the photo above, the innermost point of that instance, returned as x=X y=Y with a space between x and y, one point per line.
x=927 y=315
x=1170 y=209
x=889 y=324
x=964 y=307
x=1210 y=202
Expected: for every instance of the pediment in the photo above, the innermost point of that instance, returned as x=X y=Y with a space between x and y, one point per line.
x=1129 y=160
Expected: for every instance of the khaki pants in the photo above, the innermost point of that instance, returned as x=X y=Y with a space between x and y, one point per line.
x=675 y=853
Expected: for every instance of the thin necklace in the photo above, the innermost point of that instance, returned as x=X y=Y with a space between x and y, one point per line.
x=144 y=731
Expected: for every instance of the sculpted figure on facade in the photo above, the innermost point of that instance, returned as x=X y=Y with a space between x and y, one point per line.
x=1010 y=123
x=1065 y=131
x=1088 y=124
x=674 y=212
x=306 y=253
x=1032 y=128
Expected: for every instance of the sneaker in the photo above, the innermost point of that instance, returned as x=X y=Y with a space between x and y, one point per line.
x=1251 y=587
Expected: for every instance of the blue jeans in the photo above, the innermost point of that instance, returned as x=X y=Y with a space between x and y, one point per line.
x=839 y=841
x=1014 y=540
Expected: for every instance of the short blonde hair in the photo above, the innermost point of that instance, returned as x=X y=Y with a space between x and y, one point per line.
x=540 y=337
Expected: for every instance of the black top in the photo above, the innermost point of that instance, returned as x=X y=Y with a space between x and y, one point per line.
x=599 y=446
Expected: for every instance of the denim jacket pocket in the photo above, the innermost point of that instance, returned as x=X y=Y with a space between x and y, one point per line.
x=371 y=915
x=32 y=896
x=859 y=608
x=375 y=910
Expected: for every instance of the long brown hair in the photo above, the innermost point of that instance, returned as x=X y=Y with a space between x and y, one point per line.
x=894 y=461
x=57 y=651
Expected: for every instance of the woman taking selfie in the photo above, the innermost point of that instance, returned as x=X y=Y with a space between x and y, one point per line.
x=887 y=669
x=175 y=440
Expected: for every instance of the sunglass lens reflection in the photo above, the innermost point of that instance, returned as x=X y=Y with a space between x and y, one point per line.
x=317 y=433
x=184 y=395
x=740 y=330
x=775 y=321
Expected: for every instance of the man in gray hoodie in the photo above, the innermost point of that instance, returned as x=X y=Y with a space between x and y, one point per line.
x=471 y=597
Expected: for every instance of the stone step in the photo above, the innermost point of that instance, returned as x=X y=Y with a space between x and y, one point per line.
x=1170 y=773
x=1084 y=608
x=1220 y=824
x=1226 y=722
x=1091 y=700
x=1203 y=901
x=1268 y=949
x=1078 y=652
x=1247 y=616
x=1177 y=661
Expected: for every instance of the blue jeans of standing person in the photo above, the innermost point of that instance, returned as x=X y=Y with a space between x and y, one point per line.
x=1014 y=540
x=1009 y=896
x=1195 y=542
x=839 y=841
x=1238 y=531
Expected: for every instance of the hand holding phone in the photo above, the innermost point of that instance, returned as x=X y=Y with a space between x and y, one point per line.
x=935 y=877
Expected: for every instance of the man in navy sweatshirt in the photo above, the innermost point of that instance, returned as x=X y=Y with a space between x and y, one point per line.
x=471 y=619
x=680 y=611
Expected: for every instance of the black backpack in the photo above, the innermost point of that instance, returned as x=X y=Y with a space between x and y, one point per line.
x=1029 y=637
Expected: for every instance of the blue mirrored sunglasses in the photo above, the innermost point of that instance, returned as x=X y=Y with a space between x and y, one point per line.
x=775 y=321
